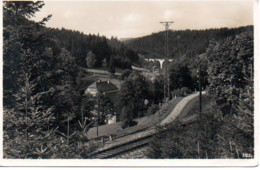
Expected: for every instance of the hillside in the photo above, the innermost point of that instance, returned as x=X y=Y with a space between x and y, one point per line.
x=184 y=43
x=104 y=49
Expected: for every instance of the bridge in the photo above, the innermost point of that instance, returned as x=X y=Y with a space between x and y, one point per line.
x=157 y=59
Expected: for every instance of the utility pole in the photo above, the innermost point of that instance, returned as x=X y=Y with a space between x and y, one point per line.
x=200 y=110
x=97 y=111
x=200 y=89
x=166 y=71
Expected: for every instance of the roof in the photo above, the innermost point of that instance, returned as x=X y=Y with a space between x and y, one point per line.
x=112 y=95
x=103 y=86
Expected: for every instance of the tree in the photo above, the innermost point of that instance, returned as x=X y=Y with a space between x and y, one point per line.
x=11 y=60
x=231 y=84
x=158 y=86
x=186 y=43
x=67 y=66
x=29 y=126
x=125 y=74
x=131 y=97
x=180 y=76
x=107 y=108
x=20 y=37
x=230 y=69
x=91 y=59
x=44 y=80
x=127 y=115
x=104 y=63
x=111 y=66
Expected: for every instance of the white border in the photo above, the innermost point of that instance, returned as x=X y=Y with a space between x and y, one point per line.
x=147 y=162
x=133 y=162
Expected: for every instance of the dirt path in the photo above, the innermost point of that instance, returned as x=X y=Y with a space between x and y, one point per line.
x=178 y=108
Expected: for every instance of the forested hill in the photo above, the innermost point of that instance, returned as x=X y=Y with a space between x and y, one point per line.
x=104 y=49
x=49 y=57
x=185 y=43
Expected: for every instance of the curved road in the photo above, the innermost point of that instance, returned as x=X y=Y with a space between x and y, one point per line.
x=178 y=108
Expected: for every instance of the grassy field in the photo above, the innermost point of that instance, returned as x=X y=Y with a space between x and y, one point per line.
x=143 y=123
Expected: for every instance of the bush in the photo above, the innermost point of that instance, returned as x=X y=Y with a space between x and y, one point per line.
x=125 y=74
x=152 y=109
x=218 y=137
x=128 y=123
x=185 y=90
x=181 y=92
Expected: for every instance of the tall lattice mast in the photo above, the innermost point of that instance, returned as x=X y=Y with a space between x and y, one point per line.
x=166 y=71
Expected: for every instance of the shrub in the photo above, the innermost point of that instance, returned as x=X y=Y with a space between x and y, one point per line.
x=128 y=123
x=181 y=92
x=185 y=90
x=152 y=109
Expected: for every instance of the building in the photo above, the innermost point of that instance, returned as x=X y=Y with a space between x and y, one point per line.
x=101 y=87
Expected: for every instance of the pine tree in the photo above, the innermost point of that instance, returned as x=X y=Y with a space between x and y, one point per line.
x=91 y=59
x=30 y=124
x=111 y=66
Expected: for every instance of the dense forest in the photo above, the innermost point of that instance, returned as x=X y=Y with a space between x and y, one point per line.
x=182 y=43
x=105 y=50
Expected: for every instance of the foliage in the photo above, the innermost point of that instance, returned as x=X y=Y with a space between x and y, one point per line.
x=106 y=108
x=181 y=92
x=79 y=45
x=131 y=96
x=231 y=83
x=91 y=59
x=43 y=143
x=158 y=89
x=221 y=135
x=151 y=65
x=182 y=43
x=231 y=71
x=111 y=66
x=180 y=76
x=28 y=127
x=226 y=129
x=217 y=137
x=125 y=74
x=25 y=9
x=26 y=43
x=152 y=109
x=43 y=87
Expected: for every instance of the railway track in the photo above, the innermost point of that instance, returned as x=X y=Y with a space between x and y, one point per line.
x=113 y=151
x=121 y=148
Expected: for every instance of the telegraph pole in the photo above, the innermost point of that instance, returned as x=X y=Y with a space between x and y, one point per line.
x=200 y=89
x=97 y=111
x=166 y=71
x=200 y=109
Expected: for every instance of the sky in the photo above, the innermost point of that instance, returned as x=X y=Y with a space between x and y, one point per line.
x=129 y=19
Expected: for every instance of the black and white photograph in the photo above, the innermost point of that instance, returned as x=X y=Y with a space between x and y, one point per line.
x=129 y=83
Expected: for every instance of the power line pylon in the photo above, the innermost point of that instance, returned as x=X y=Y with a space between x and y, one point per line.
x=166 y=69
